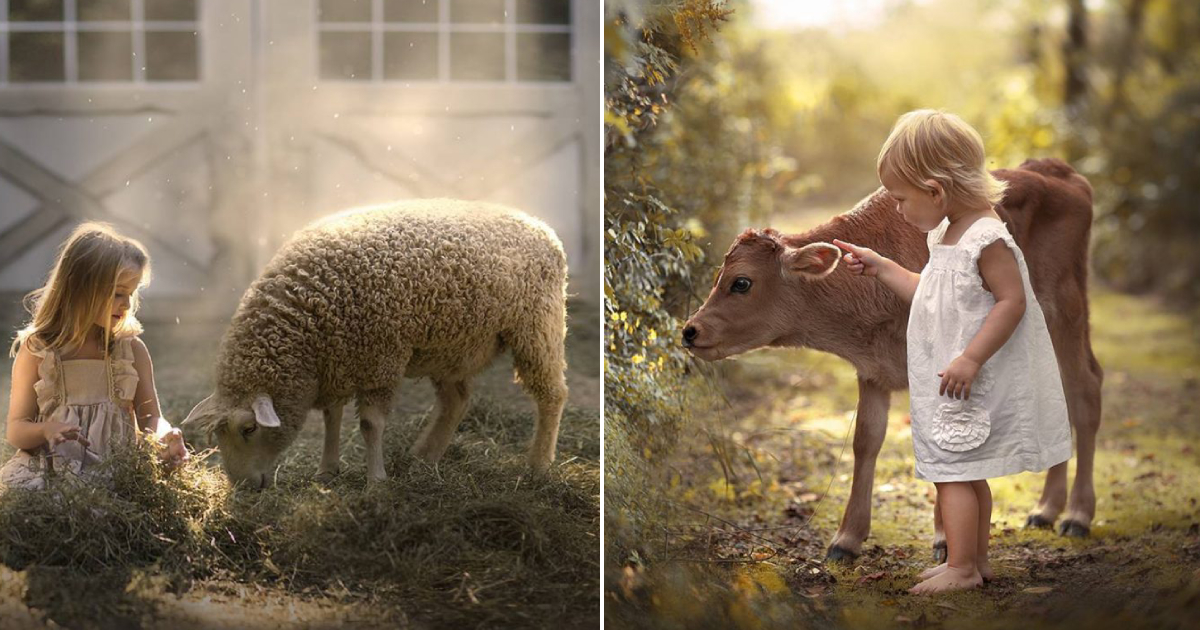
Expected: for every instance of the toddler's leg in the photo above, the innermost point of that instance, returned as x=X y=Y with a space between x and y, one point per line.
x=960 y=515
x=983 y=493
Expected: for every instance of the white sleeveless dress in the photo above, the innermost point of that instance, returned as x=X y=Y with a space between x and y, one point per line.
x=1016 y=419
x=94 y=394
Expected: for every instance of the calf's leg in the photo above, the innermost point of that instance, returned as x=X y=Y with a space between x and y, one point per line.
x=1085 y=417
x=452 y=405
x=868 y=439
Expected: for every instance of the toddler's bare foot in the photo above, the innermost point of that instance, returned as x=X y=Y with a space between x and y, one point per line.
x=949 y=579
x=985 y=571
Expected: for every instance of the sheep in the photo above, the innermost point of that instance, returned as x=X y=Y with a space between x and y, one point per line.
x=357 y=301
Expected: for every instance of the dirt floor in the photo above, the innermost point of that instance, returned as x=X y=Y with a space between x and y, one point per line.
x=746 y=536
x=485 y=595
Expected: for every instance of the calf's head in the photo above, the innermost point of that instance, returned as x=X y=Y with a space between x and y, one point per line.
x=754 y=301
x=250 y=436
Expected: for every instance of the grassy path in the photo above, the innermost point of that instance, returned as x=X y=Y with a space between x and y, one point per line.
x=744 y=545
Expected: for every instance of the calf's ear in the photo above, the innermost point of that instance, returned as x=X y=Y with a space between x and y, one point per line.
x=810 y=262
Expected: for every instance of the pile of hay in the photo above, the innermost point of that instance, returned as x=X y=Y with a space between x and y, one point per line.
x=476 y=540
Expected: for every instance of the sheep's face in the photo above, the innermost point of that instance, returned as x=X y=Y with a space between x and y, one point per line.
x=250 y=439
x=249 y=450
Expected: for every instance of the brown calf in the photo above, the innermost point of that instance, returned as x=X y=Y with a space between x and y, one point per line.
x=785 y=290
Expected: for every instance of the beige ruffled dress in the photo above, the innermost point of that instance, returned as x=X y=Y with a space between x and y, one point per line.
x=94 y=394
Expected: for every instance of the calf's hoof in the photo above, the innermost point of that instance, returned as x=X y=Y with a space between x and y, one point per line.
x=839 y=554
x=939 y=552
x=1074 y=529
x=1038 y=522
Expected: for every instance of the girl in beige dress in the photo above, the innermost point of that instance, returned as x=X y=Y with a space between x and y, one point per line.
x=82 y=380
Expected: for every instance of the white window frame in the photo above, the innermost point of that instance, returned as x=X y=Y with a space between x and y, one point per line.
x=71 y=26
x=510 y=28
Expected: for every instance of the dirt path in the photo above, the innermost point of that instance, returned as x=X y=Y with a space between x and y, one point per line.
x=745 y=542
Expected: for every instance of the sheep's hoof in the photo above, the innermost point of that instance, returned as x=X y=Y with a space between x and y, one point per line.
x=1036 y=521
x=839 y=554
x=939 y=552
x=1074 y=529
x=326 y=477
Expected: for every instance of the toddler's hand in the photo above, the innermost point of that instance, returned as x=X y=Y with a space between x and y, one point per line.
x=174 y=452
x=957 y=378
x=861 y=260
x=57 y=432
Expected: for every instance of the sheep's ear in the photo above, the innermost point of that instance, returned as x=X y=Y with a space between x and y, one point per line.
x=204 y=416
x=810 y=262
x=264 y=411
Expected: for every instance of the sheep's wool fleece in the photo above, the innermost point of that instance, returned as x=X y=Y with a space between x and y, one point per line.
x=415 y=288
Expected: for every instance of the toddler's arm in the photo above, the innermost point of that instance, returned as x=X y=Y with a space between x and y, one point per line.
x=1002 y=277
x=866 y=262
x=146 y=408
x=22 y=432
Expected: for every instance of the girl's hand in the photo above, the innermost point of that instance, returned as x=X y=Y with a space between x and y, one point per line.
x=174 y=453
x=957 y=378
x=57 y=432
x=862 y=261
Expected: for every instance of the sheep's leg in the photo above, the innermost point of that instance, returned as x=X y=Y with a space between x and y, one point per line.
x=868 y=439
x=452 y=405
x=538 y=357
x=371 y=420
x=330 y=459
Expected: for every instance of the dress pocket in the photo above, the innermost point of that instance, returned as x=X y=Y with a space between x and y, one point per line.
x=961 y=425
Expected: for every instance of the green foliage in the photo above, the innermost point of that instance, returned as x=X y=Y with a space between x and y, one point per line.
x=652 y=257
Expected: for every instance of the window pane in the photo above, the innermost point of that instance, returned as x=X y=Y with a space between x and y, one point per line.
x=544 y=11
x=477 y=56
x=35 y=57
x=410 y=56
x=171 y=10
x=35 y=10
x=346 y=56
x=543 y=57
x=106 y=56
x=410 y=10
x=477 y=11
x=104 y=10
x=171 y=56
x=345 y=11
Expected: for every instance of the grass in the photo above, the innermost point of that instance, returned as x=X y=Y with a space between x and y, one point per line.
x=476 y=541
x=759 y=485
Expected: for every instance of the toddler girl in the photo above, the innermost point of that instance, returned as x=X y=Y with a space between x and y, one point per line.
x=987 y=398
x=82 y=379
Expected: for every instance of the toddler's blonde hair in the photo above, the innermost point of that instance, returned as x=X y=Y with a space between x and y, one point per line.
x=81 y=287
x=929 y=144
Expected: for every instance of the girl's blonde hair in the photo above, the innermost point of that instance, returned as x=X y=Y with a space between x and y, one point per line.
x=928 y=144
x=81 y=287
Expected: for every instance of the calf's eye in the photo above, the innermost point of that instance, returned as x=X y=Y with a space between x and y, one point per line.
x=249 y=430
x=741 y=285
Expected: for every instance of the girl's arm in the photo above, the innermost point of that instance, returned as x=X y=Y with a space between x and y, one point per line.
x=1002 y=277
x=146 y=408
x=22 y=430
x=866 y=262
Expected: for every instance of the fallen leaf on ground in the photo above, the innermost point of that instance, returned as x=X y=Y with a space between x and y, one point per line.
x=871 y=577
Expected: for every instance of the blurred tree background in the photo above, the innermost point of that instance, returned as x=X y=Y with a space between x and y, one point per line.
x=715 y=123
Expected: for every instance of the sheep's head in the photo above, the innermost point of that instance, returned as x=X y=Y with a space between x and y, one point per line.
x=249 y=436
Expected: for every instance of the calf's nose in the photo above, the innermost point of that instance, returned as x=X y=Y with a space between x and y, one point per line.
x=689 y=334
